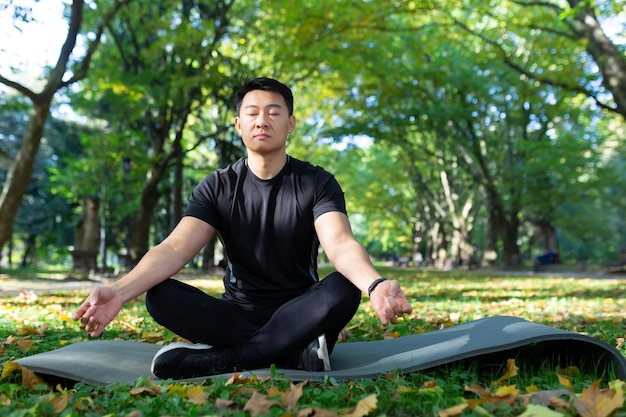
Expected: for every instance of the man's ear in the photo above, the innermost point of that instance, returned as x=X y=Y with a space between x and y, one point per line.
x=292 y=123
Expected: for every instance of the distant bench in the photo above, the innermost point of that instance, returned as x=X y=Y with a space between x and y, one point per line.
x=547 y=259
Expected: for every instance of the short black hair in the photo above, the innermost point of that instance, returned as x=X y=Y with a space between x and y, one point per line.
x=266 y=84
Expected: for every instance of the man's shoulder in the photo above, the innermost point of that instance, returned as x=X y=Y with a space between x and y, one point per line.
x=305 y=167
x=234 y=167
x=220 y=178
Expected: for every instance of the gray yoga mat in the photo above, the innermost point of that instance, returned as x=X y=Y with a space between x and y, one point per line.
x=492 y=339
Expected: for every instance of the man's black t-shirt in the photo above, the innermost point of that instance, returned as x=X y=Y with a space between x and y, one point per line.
x=266 y=226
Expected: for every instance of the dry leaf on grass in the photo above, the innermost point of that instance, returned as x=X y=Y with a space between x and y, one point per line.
x=152 y=337
x=290 y=398
x=316 y=412
x=506 y=394
x=24 y=344
x=258 y=404
x=223 y=404
x=151 y=389
x=563 y=380
x=596 y=402
x=197 y=395
x=39 y=331
x=540 y=411
x=29 y=378
x=59 y=402
x=453 y=411
x=510 y=372
x=365 y=406
x=238 y=379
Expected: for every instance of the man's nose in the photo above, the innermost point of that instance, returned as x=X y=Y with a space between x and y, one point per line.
x=261 y=120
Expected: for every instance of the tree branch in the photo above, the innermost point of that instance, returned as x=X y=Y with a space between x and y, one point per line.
x=93 y=45
x=19 y=87
x=55 y=77
x=544 y=80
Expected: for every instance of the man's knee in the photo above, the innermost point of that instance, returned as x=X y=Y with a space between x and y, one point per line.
x=157 y=297
x=342 y=289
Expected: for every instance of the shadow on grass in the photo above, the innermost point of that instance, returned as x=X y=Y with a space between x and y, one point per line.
x=544 y=359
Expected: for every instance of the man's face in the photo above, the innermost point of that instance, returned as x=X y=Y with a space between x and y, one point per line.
x=264 y=122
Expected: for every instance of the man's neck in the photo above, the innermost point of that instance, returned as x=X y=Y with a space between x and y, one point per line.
x=266 y=167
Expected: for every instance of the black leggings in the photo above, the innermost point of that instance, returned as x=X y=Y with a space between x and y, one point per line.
x=261 y=336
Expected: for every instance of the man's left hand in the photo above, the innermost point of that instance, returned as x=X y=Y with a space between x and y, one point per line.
x=389 y=302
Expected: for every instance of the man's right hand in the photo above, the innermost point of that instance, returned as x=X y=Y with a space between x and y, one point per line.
x=98 y=310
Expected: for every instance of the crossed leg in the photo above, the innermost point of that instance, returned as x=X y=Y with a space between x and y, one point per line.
x=259 y=337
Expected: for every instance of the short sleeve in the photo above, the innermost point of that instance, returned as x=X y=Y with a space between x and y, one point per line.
x=330 y=196
x=203 y=203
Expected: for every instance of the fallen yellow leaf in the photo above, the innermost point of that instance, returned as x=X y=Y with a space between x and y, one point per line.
x=506 y=390
x=151 y=389
x=10 y=368
x=565 y=382
x=222 y=404
x=29 y=378
x=510 y=372
x=152 y=337
x=594 y=402
x=533 y=410
x=59 y=402
x=258 y=404
x=365 y=406
x=238 y=379
x=25 y=345
x=291 y=397
x=197 y=395
x=454 y=411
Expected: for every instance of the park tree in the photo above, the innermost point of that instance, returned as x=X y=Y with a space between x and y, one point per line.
x=160 y=83
x=560 y=44
x=62 y=75
x=475 y=109
x=478 y=113
x=165 y=82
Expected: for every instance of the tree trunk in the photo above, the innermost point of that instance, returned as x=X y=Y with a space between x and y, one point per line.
x=610 y=60
x=461 y=248
x=18 y=176
x=87 y=241
x=20 y=171
x=490 y=253
x=547 y=237
x=177 y=189
x=509 y=229
x=140 y=231
x=29 y=252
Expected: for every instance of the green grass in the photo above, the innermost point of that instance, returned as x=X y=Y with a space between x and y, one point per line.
x=32 y=323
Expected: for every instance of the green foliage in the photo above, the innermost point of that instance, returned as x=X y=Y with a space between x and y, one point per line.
x=469 y=105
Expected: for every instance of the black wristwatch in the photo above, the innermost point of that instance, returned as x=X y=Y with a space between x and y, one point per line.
x=374 y=284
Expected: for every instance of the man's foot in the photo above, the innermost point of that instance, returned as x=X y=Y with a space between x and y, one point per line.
x=314 y=357
x=186 y=360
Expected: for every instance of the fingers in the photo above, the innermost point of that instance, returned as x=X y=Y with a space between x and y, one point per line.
x=394 y=311
x=80 y=311
x=392 y=305
x=86 y=315
x=91 y=326
x=91 y=300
